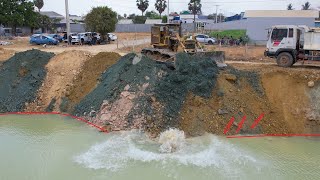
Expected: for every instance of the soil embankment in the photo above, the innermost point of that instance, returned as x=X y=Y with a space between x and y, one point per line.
x=137 y=92
x=88 y=78
x=61 y=72
x=20 y=78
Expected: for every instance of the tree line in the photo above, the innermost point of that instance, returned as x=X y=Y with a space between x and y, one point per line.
x=16 y=13
x=305 y=6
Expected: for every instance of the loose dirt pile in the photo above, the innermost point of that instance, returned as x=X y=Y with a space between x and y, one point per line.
x=61 y=71
x=20 y=78
x=139 y=92
x=87 y=78
x=5 y=54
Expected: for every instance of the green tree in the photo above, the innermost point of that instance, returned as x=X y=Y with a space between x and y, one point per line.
x=45 y=23
x=290 y=7
x=16 y=13
x=39 y=4
x=306 y=6
x=125 y=15
x=139 y=19
x=160 y=6
x=142 y=5
x=152 y=15
x=101 y=19
x=164 y=19
x=131 y=16
x=195 y=6
x=120 y=17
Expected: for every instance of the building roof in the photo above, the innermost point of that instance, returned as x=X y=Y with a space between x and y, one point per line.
x=153 y=21
x=51 y=14
x=125 y=21
x=282 y=13
x=187 y=16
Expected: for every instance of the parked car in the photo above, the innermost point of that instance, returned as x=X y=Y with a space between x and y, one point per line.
x=56 y=36
x=84 y=37
x=43 y=39
x=202 y=38
x=76 y=39
x=65 y=36
x=112 y=36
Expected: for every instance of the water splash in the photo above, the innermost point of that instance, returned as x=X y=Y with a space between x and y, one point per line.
x=171 y=140
x=128 y=149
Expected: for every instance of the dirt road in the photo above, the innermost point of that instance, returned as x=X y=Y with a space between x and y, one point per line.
x=92 y=49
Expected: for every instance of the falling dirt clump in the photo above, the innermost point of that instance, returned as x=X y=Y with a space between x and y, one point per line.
x=20 y=78
x=88 y=77
x=61 y=71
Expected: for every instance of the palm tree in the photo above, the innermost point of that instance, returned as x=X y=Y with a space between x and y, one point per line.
x=306 y=6
x=160 y=6
x=39 y=4
x=290 y=7
x=142 y=5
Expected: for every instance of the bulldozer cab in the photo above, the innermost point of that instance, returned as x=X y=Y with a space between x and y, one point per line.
x=162 y=35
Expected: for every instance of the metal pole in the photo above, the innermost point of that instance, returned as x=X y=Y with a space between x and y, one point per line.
x=67 y=20
x=220 y=21
x=217 y=13
x=168 y=13
x=194 y=15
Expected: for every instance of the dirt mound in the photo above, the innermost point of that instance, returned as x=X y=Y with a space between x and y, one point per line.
x=282 y=95
x=87 y=79
x=138 y=89
x=61 y=71
x=313 y=113
x=20 y=78
x=236 y=94
x=5 y=54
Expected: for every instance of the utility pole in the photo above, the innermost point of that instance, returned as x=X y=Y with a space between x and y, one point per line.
x=67 y=20
x=194 y=15
x=168 y=13
x=217 y=13
x=220 y=14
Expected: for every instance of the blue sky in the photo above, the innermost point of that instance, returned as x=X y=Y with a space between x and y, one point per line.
x=228 y=7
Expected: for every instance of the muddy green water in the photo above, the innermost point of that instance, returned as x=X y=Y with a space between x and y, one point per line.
x=54 y=147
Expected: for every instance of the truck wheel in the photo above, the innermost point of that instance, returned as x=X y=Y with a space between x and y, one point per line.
x=210 y=42
x=285 y=59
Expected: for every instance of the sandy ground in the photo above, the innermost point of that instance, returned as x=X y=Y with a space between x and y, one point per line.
x=125 y=40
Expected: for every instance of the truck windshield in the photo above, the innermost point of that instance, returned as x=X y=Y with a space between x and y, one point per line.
x=279 y=34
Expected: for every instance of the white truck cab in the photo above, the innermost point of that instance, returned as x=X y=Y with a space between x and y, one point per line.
x=290 y=43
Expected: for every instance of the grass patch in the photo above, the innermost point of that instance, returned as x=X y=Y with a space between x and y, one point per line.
x=228 y=33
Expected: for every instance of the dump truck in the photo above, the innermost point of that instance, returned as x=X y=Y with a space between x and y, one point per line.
x=289 y=44
x=166 y=39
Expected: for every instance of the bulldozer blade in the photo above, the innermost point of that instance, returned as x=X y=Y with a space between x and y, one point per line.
x=217 y=56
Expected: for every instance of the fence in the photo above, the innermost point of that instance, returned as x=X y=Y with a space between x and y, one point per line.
x=231 y=25
x=140 y=28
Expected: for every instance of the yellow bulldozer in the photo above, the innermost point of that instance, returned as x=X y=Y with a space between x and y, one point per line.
x=167 y=40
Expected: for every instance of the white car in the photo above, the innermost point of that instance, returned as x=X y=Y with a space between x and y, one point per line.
x=75 y=38
x=84 y=38
x=65 y=37
x=112 y=36
x=202 y=38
